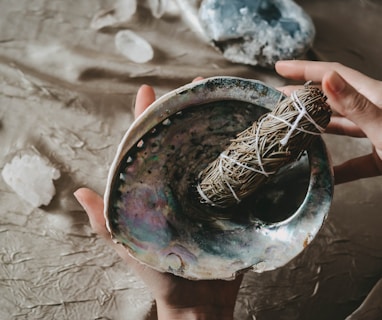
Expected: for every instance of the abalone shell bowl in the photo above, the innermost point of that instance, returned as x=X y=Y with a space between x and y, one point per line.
x=152 y=207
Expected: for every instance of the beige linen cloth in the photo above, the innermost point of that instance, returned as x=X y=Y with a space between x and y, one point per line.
x=66 y=91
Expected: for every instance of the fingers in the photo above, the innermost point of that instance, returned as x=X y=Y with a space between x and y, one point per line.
x=342 y=126
x=351 y=104
x=315 y=70
x=371 y=306
x=357 y=168
x=287 y=90
x=145 y=97
x=93 y=205
x=338 y=124
x=197 y=79
x=364 y=117
x=303 y=70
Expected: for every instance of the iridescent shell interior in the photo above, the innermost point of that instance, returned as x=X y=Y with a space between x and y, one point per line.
x=151 y=203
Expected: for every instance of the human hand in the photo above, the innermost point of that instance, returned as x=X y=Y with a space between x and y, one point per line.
x=176 y=298
x=357 y=101
x=370 y=308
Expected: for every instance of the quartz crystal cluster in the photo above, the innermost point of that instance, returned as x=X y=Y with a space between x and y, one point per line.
x=129 y=43
x=257 y=32
x=31 y=176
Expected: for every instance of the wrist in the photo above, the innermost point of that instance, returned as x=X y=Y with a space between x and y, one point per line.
x=166 y=312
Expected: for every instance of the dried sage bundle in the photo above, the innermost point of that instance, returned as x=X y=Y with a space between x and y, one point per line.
x=276 y=139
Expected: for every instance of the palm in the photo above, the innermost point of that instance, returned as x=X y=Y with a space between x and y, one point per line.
x=175 y=290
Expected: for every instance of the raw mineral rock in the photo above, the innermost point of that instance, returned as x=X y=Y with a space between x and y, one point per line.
x=31 y=177
x=133 y=46
x=257 y=32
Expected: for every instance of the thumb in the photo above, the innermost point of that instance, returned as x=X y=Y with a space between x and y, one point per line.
x=351 y=104
x=371 y=307
x=93 y=205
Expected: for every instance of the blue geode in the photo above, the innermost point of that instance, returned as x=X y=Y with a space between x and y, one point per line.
x=257 y=32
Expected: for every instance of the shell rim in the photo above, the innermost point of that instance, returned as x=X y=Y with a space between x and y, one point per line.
x=144 y=120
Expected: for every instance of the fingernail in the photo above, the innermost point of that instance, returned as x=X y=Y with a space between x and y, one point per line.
x=197 y=79
x=336 y=83
x=79 y=199
x=278 y=64
x=283 y=63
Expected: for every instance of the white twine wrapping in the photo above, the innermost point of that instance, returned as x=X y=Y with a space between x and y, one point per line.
x=222 y=170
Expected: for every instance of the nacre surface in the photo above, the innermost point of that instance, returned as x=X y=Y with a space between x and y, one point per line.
x=151 y=204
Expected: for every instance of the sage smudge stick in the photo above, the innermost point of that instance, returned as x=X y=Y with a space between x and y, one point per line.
x=257 y=153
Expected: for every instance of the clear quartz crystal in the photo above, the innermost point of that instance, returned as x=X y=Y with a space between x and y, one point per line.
x=31 y=177
x=133 y=46
x=158 y=7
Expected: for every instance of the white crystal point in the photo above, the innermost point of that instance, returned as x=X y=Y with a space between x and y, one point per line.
x=31 y=178
x=158 y=7
x=133 y=46
x=122 y=11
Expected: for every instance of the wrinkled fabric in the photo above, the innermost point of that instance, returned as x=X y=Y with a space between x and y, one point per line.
x=68 y=92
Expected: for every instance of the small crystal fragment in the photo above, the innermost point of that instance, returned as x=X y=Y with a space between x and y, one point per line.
x=140 y=144
x=158 y=7
x=31 y=177
x=166 y=122
x=133 y=46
